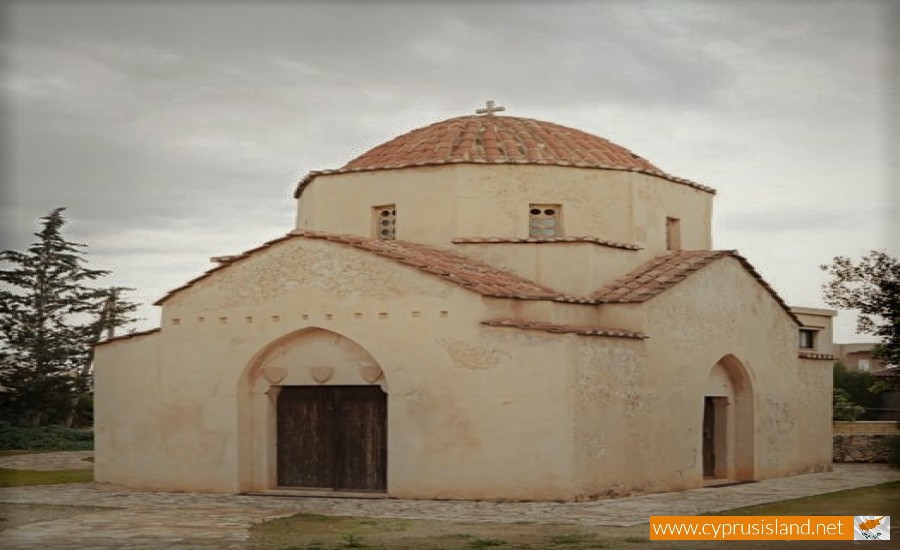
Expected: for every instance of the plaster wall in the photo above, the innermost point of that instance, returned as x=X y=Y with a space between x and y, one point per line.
x=466 y=402
x=495 y=200
x=573 y=268
x=627 y=316
x=656 y=200
x=425 y=199
x=562 y=313
x=720 y=315
x=822 y=321
x=126 y=384
x=437 y=204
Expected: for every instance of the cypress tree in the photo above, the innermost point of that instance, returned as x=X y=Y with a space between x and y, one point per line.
x=50 y=317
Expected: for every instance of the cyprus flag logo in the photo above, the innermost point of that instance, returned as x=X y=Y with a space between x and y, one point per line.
x=871 y=527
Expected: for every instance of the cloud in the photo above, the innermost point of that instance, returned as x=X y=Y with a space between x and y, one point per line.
x=174 y=129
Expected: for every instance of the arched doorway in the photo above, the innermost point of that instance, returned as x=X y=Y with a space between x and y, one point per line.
x=728 y=446
x=316 y=416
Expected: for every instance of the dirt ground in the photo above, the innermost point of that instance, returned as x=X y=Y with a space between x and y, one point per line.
x=15 y=515
x=313 y=532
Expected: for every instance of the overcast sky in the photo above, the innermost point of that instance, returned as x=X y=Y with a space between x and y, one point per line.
x=175 y=131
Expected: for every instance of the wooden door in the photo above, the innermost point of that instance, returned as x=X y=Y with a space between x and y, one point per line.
x=709 y=437
x=332 y=437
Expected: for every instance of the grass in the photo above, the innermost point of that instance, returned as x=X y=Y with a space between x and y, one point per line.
x=880 y=499
x=317 y=532
x=568 y=538
x=478 y=544
x=21 y=478
x=353 y=541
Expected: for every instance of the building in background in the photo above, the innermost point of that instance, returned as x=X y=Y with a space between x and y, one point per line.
x=858 y=357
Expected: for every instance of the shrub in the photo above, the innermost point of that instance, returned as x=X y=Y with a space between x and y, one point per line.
x=842 y=408
x=893 y=444
x=45 y=438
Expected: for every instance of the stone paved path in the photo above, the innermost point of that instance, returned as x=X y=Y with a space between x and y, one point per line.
x=69 y=460
x=183 y=520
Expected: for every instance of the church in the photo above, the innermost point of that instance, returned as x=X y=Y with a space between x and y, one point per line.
x=487 y=307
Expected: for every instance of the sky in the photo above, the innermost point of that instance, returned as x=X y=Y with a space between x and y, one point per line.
x=176 y=131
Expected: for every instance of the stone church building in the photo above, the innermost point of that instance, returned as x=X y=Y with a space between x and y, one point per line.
x=489 y=307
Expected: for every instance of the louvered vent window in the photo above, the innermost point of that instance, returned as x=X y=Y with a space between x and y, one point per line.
x=544 y=220
x=386 y=222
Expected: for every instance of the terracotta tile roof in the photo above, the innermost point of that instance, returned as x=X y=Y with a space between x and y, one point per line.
x=664 y=272
x=889 y=372
x=465 y=272
x=641 y=284
x=499 y=140
x=533 y=240
x=223 y=262
x=127 y=336
x=462 y=271
x=564 y=329
x=814 y=355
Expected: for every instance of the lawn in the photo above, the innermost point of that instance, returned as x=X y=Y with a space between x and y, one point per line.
x=315 y=532
x=20 y=478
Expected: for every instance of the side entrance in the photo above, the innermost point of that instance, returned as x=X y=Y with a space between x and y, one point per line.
x=332 y=437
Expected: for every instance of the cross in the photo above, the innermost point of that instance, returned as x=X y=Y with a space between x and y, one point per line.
x=489 y=109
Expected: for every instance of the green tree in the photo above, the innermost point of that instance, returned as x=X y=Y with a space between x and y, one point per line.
x=50 y=318
x=843 y=408
x=854 y=394
x=872 y=287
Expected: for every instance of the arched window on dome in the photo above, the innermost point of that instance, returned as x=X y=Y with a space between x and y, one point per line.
x=544 y=221
x=384 y=222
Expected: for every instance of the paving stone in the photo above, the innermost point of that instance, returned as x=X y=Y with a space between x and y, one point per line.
x=140 y=519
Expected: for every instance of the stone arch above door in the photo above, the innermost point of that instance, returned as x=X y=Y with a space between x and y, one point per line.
x=314 y=356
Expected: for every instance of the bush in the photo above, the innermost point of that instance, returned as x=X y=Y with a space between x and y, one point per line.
x=893 y=444
x=45 y=438
x=856 y=393
x=842 y=408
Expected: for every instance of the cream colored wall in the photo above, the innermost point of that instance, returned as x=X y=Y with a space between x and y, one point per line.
x=573 y=268
x=473 y=411
x=614 y=409
x=717 y=312
x=655 y=200
x=126 y=384
x=437 y=204
x=822 y=319
x=342 y=203
x=494 y=200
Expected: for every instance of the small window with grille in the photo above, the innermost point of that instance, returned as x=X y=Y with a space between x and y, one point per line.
x=544 y=220
x=385 y=218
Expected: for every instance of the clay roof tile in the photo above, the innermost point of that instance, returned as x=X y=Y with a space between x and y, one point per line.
x=663 y=272
x=499 y=140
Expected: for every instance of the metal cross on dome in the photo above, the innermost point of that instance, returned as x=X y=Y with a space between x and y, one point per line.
x=489 y=109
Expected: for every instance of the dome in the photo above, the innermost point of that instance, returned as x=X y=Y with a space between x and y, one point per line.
x=498 y=140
